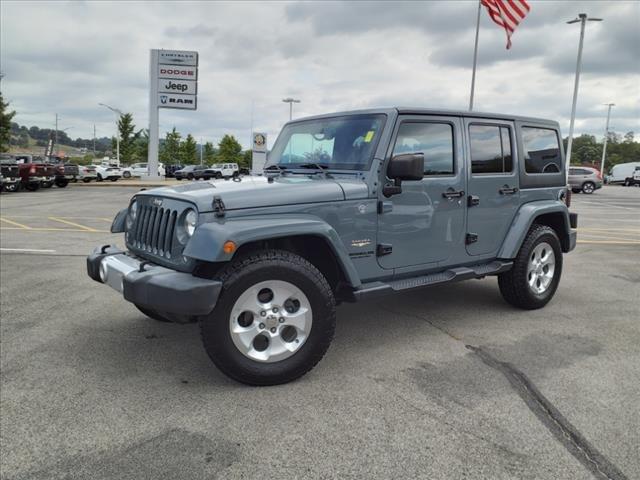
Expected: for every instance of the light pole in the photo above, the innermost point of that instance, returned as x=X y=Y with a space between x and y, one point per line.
x=290 y=101
x=582 y=18
x=118 y=115
x=606 y=137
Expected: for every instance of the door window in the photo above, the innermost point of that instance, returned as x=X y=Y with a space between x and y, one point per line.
x=490 y=149
x=433 y=140
x=541 y=150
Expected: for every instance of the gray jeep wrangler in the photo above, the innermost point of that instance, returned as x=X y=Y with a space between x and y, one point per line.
x=352 y=205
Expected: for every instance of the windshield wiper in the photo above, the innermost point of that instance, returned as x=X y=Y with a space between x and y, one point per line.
x=317 y=166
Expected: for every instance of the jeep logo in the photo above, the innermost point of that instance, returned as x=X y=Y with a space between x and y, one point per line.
x=157 y=202
x=181 y=87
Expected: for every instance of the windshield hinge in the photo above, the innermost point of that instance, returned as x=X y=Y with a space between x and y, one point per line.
x=218 y=206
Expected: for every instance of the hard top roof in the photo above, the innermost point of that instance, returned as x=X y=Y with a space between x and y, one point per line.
x=428 y=111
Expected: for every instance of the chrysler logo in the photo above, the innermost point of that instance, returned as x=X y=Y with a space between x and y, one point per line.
x=157 y=202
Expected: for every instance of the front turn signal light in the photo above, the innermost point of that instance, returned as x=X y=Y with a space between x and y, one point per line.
x=229 y=247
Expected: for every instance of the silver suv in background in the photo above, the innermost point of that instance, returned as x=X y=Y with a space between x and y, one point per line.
x=584 y=179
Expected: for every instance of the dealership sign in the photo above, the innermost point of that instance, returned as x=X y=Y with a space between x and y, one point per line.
x=178 y=57
x=177 y=72
x=173 y=83
x=172 y=100
x=188 y=87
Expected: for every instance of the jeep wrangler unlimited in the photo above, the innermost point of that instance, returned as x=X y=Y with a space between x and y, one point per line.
x=352 y=205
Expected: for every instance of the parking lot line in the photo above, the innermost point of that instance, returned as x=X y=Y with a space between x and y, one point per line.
x=11 y=222
x=46 y=229
x=26 y=250
x=610 y=242
x=73 y=224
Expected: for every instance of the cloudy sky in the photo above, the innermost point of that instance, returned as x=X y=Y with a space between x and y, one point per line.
x=66 y=57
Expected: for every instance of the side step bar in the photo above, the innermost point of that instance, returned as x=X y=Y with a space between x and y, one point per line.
x=374 y=289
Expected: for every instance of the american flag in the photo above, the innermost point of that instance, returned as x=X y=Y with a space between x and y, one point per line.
x=507 y=14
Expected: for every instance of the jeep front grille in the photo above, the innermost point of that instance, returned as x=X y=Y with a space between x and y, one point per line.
x=154 y=230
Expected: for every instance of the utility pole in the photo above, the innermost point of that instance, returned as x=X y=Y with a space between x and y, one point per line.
x=94 y=140
x=56 y=135
x=118 y=115
x=475 y=58
x=201 y=148
x=290 y=101
x=606 y=137
x=583 y=19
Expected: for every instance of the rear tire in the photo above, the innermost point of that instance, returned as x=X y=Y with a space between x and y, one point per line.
x=300 y=333
x=32 y=187
x=86 y=180
x=588 y=188
x=126 y=174
x=522 y=286
x=62 y=183
x=46 y=184
x=575 y=190
x=114 y=179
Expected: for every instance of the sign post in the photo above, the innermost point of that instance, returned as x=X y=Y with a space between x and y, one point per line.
x=259 y=153
x=173 y=83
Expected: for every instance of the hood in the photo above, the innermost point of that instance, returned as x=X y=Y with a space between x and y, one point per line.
x=253 y=192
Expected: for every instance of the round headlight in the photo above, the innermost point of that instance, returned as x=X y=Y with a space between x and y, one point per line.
x=190 y=221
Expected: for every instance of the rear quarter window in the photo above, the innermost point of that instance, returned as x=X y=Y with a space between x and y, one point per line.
x=541 y=150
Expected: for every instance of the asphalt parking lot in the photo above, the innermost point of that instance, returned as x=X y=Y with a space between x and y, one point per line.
x=449 y=382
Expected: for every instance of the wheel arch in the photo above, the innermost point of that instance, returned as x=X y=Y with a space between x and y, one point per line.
x=307 y=236
x=553 y=214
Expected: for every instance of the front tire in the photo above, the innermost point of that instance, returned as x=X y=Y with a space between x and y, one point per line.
x=535 y=275
x=62 y=183
x=126 y=174
x=274 y=320
x=86 y=180
x=114 y=179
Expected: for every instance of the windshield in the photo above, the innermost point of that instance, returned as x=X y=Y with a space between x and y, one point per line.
x=340 y=143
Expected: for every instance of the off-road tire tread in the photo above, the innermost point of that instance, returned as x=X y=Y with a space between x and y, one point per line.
x=253 y=261
x=511 y=288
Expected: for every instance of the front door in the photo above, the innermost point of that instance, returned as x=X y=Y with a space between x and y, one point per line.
x=493 y=188
x=424 y=224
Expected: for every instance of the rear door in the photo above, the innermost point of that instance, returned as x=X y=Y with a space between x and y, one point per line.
x=493 y=187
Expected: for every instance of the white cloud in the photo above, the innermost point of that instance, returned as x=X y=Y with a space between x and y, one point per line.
x=66 y=57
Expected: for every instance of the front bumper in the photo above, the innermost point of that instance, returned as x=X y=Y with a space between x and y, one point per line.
x=152 y=286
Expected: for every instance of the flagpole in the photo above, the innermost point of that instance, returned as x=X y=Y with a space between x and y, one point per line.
x=475 y=58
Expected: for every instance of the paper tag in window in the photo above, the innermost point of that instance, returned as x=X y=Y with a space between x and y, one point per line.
x=369 y=136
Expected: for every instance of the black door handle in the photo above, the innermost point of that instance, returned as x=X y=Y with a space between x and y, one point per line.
x=507 y=190
x=451 y=193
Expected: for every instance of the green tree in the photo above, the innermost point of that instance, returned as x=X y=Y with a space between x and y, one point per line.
x=127 y=138
x=170 y=151
x=189 y=151
x=208 y=154
x=247 y=159
x=229 y=150
x=5 y=124
x=141 y=145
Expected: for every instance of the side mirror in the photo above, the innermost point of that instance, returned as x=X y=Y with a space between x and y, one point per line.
x=407 y=166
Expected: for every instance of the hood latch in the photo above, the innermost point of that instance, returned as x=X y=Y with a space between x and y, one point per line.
x=218 y=206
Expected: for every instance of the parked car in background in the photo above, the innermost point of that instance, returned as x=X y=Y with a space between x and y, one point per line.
x=86 y=173
x=170 y=169
x=584 y=179
x=35 y=172
x=108 y=172
x=226 y=170
x=622 y=172
x=140 y=169
x=9 y=173
x=190 y=172
x=635 y=179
